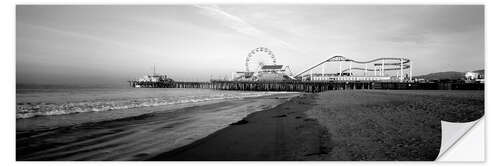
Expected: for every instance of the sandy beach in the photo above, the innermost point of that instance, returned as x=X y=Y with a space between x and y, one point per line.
x=340 y=125
x=334 y=125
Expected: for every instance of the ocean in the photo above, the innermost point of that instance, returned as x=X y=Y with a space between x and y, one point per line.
x=49 y=102
x=125 y=123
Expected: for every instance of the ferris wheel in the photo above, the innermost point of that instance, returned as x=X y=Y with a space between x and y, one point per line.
x=258 y=57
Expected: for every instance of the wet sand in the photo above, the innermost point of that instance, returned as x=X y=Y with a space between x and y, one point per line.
x=354 y=125
x=281 y=133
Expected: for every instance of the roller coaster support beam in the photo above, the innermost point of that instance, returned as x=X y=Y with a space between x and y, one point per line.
x=382 y=70
x=410 y=70
x=401 y=74
x=350 y=67
x=366 y=69
x=322 y=70
x=340 y=69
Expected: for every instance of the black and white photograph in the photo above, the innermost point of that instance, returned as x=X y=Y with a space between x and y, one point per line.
x=248 y=82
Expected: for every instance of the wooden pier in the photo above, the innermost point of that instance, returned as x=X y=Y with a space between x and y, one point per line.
x=290 y=86
x=308 y=86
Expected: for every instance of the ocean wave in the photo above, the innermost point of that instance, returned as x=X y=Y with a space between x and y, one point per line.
x=29 y=110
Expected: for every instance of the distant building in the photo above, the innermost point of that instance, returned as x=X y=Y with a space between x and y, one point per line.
x=154 y=78
x=330 y=77
x=265 y=73
x=419 y=80
x=271 y=73
x=477 y=76
x=471 y=75
x=271 y=68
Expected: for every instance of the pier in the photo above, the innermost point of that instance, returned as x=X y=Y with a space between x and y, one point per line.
x=320 y=86
x=290 y=86
x=309 y=86
x=390 y=73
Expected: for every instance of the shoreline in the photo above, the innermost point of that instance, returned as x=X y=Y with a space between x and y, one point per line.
x=48 y=122
x=138 y=137
x=280 y=133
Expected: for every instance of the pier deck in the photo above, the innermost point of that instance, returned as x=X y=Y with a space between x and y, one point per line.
x=308 y=86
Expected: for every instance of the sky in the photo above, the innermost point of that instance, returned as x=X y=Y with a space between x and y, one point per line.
x=97 y=45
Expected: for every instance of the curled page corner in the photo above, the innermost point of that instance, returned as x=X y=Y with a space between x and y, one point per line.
x=451 y=132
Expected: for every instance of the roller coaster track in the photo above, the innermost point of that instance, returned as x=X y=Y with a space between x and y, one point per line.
x=404 y=63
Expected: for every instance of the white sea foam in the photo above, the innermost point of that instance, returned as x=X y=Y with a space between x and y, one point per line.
x=39 y=107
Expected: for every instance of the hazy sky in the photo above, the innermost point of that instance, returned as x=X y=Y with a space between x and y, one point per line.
x=113 y=44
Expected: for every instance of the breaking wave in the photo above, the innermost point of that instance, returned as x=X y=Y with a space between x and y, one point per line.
x=29 y=110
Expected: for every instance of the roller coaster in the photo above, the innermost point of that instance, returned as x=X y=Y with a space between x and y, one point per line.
x=380 y=67
x=260 y=64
